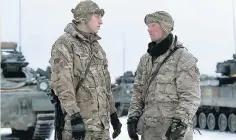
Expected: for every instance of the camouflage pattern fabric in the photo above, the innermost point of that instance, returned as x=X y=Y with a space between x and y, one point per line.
x=100 y=135
x=174 y=93
x=163 y=18
x=94 y=101
x=85 y=9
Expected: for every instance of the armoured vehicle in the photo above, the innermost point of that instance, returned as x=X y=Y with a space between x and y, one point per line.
x=218 y=99
x=122 y=92
x=25 y=105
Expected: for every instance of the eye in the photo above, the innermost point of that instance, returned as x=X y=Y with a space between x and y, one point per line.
x=151 y=25
x=97 y=15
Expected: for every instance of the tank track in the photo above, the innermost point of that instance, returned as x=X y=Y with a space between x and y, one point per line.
x=44 y=126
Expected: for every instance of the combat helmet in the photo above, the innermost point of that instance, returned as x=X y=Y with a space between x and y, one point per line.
x=163 y=18
x=84 y=10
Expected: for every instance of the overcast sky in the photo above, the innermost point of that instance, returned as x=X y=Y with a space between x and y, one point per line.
x=205 y=27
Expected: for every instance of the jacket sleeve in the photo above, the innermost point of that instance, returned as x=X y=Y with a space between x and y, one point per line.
x=136 y=105
x=188 y=87
x=109 y=92
x=62 y=77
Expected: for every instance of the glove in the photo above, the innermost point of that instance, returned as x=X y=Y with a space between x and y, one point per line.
x=116 y=125
x=78 y=128
x=132 y=127
x=176 y=130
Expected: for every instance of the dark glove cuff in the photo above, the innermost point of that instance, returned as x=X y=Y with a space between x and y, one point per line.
x=179 y=122
x=133 y=120
x=114 y=119
x=76 y=119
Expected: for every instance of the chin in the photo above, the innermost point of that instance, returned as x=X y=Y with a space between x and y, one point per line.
x=153 y=39
x=95 y=31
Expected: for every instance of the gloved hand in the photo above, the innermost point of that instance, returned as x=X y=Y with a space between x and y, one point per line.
x=132 y=127
x=78 y=128
x=176 y=130
x=116 y=125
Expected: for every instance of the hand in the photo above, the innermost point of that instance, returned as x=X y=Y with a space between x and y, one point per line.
x=116 y=125
x=132 y=127
x=78 y=128
x=176 y=130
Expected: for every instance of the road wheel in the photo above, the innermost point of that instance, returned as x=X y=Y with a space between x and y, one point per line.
x=232 y=122
x=202 y=120
x=211 y=121
x=222 y=122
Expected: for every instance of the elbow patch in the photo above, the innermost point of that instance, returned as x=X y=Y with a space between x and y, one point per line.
x=194 y=73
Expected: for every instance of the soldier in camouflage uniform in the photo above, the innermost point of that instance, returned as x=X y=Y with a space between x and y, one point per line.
x=165 y=110
x=90 y=107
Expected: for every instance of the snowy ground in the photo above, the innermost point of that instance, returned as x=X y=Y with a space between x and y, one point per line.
x=206 y=135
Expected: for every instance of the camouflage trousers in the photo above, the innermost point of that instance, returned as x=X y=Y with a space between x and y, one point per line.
x=154 y=134
x=89 y=135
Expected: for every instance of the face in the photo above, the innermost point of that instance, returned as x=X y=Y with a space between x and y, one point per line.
x=155 y=31
x=94 y=23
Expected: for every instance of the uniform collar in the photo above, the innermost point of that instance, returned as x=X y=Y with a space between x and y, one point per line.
x=75 y=32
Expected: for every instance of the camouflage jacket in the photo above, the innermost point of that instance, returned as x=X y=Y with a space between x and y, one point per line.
x=175 y=91
x=70 y=56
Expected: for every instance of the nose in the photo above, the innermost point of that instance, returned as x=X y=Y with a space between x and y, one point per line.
x=100 y=21
x=149 y=30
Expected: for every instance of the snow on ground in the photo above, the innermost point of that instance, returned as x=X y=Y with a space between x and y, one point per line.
x=5 y=131
x=205 y=134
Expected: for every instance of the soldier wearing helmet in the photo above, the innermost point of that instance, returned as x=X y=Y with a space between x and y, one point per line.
x=166 y=93
x=80 y=77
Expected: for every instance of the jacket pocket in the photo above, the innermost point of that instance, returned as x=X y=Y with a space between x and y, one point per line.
x=81 y=60
x=99 y=59
x=86 y=102
x=167 y=88
x=85 y=94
